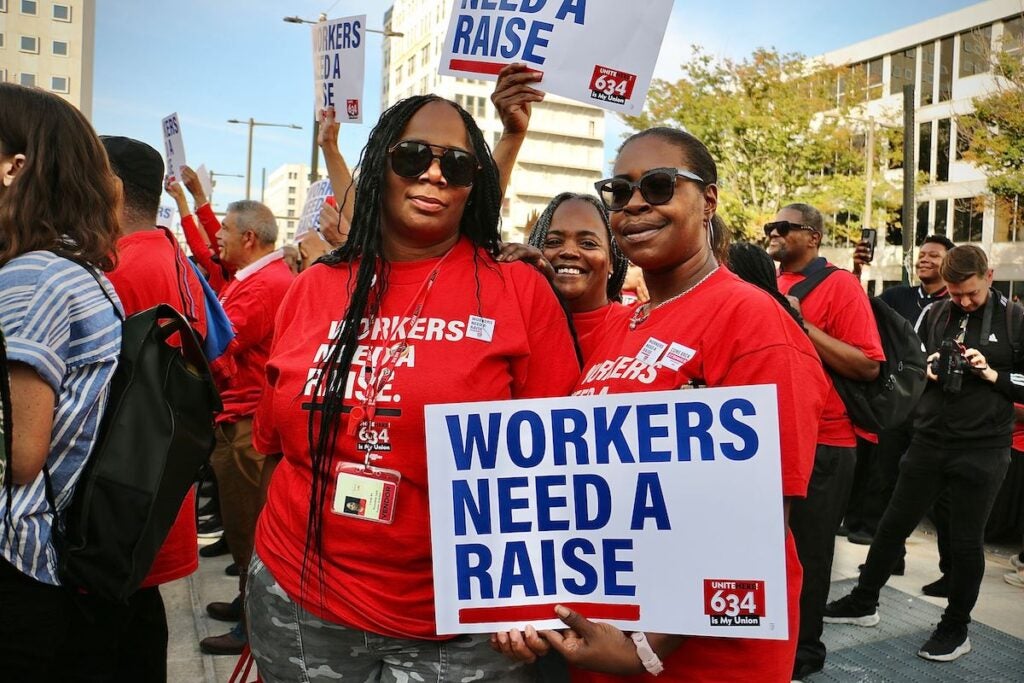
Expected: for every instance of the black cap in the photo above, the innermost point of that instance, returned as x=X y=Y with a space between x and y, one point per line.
x=135 y=162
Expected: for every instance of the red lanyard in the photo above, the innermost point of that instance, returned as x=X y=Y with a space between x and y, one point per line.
x=368 y=409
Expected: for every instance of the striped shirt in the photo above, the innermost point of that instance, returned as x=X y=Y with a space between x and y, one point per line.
x=57 y=321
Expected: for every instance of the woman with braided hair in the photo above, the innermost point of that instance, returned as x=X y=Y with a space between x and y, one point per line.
x=413 y=310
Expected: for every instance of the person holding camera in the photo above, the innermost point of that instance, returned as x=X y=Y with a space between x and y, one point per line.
x=961 y=442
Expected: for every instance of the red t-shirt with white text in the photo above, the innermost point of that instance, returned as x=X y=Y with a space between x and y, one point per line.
x=736 y=335
x=590 y=325
x=838 y=307
x=379 y=577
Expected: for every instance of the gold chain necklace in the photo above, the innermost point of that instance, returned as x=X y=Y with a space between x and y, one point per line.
x=644 y=311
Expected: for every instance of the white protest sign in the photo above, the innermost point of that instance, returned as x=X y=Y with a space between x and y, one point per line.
x=655 y=511
x=167 y=216
x=602 y=52
x=339 y=55
x=315 y=198
x=174 y=147
x=205 y=180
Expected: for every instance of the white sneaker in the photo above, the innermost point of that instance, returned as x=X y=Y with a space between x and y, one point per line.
x=1015 y=578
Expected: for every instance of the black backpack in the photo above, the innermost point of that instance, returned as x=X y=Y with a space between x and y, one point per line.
x=156 y=432
x=889 y=400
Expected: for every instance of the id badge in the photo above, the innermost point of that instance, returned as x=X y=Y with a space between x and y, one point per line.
x=367 y=493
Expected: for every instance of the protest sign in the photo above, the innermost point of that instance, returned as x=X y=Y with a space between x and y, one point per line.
x=167 y=216
x=174 y=147
x=655 y=511
x=315 y=198
x=602 y=52
x=339 y=55
x=205 y=180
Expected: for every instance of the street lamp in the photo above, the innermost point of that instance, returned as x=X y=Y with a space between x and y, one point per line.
x=314 y=162
x=248 y=160
x=213 y=182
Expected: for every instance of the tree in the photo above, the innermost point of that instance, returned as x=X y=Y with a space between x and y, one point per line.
x=763 y=121
x=992 y=136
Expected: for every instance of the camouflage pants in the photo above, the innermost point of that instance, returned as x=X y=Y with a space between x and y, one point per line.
x=290 y=644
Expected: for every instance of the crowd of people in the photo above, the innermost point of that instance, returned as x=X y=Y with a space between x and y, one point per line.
x=405 y=296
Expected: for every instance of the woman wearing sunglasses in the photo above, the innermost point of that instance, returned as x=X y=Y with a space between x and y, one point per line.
x=662 y=201
x=413 y=310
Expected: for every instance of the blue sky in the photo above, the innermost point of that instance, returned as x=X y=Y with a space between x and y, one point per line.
x=213 y=60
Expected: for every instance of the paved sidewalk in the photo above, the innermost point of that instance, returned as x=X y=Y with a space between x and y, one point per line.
x=1000 y=607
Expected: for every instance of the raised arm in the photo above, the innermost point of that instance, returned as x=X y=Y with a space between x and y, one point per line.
x=513 y=98
x=337 y=169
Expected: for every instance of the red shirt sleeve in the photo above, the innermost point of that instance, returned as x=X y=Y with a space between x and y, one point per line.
x=849 y=317
x=210 y=224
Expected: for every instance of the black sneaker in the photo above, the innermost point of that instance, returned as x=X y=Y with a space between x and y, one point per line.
x=938 y=588
x=949 y=642
x=215 y=549
x=860 y=537
x=847 y=610
x=210 y=507
x=210 y=528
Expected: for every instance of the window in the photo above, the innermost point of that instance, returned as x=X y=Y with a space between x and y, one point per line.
x=1009 y=219
x=3 y=75
x=968 y=214
x=963 y=143
x=941 y=217
x=29 y=44
x=291 y=213
x=291 y=189
x=901 y=70
x=874 y=82
x=291 y=225
x=942 y=151
x=921 y=228
x=3 y=5
x=974 y=51
x=61 y=12
x=924 y=149
x=59 y=83
x=291 y=201
x=27 y=79
x=1013 y=35
x=1 y=40
x=945 y=69
x=28 y=7
x=60 y=48
x=425 y=55
x=927 y=73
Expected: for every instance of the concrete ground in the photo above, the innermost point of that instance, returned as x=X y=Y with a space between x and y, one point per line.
x=1000 y=605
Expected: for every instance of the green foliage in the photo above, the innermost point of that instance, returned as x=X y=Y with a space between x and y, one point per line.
x=761 y=118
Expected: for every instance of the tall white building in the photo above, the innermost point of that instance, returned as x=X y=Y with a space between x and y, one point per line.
x=564 y=149
x=285 y=194
x=947 y=60
x=50 y=45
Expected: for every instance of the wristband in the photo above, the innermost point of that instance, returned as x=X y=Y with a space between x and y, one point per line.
x=648 y=657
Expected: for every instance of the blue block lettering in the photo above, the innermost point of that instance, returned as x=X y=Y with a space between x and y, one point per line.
x=547 y=565
x=513 y=27
x=479 y=508
x=538 y=438
x=745 y=432
x=578 y=9
x=516 y=570
x=546 y=503
x=462 y=450
x=587 y=519
x=588 y=575
x=646 y=433
x=649 y=503
x=608 y=434
x=535 y=41
x=568 y=427
x=466 y=569
x=463 y=25
x=613 y=566
x=686 y=432
x=507 y=504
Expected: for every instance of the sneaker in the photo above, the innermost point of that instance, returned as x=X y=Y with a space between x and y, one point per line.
x=232 y=569
x=948 y=642
x=860 y=537
x=215 y=549
x=1015 y=578
x=938 y=588
x=1017 y=561
x=210 y=507
x=210 y=528
x=847 y=610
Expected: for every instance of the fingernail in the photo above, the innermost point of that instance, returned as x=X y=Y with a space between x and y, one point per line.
x=561 y=611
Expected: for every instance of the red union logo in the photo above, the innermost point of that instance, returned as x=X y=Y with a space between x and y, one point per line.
x=352 y=107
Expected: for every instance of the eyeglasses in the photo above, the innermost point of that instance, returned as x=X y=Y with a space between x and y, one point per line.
x=783 y=228
x=657 y=186
x=411 y=159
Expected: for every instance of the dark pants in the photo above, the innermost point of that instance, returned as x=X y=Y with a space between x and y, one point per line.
x=110 y=642
x=33 y=625
x=972 y=478
x=856 y=517
x=814 y=521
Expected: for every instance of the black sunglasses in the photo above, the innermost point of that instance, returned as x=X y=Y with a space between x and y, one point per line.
x=411 y=159
x=657 y=186
x=783 y=228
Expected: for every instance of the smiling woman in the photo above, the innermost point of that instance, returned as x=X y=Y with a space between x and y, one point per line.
x=413 y=310
x=702 y=327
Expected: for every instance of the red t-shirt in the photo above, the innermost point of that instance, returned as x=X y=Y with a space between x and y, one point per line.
x=839 y=307
x=251 y=305
x=738 y=336
x=379 y=577
x=590 y=325
x=146 y=275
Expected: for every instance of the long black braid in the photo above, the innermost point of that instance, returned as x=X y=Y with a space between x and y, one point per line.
x=753 y=264
x=619 y=263
x=480 y=224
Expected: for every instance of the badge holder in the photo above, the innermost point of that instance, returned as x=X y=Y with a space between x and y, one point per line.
x=366 y=492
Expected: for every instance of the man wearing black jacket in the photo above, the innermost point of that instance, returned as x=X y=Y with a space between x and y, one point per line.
x=961 y=443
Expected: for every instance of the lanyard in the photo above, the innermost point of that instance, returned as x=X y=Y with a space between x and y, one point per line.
x=366 y=411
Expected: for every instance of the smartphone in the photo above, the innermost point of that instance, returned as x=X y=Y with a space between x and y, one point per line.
x=869 y=235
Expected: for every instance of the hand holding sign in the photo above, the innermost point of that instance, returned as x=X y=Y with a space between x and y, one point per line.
x=513 y=96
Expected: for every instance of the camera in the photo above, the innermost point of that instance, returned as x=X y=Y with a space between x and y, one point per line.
x=950 y=366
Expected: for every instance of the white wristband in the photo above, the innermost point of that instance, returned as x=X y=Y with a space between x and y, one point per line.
x=648 y=657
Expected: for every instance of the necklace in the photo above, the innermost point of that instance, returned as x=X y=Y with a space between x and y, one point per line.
x=644 y=312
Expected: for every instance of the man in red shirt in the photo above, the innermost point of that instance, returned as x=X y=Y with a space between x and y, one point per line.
x=840 y=324
x=250 y=299
x=112 y=641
